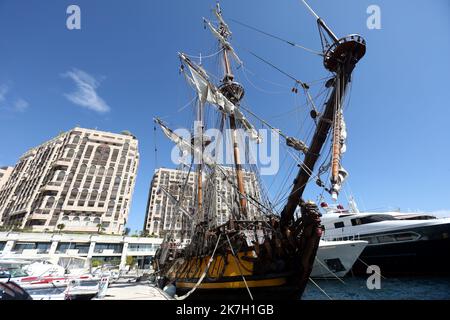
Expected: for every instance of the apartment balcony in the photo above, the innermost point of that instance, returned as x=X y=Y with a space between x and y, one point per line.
x=107 y=252
x=27 y=252
x=38 y=216
x=72 y=252
x=52 y=187
x=80 y=228
x=62 y=163
x=105 y=140
x=21 y=211
x=141 y=252
x=84 y=209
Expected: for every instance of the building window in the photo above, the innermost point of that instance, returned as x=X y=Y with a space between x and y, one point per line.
x=140 y=247
x=70 y=153
x=76 y=139
x=84 y=194
x=94 y=195
x=50 y=202
x=110 y=172
x=83 y=248
x=88 y=153
x=115 y=247
x=73 y=193
x=60 y=176
x=41 y=247
x=83 y=168
x=114 y=155
x=103 y=195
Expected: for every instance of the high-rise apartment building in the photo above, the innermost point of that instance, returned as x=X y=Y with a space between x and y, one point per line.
x=82 y=179
x=166 y=188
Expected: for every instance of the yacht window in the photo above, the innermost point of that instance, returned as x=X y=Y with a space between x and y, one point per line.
x=371 y=240
x=386 y=238
x=371 y=219
x=339 y=225
x=407 y=236
x=421 y=217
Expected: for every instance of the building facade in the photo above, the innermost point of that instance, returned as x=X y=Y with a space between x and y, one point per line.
x=81 y=180
x=106 y=248
x=5 y=172
x=167 y=186
x=161 y=207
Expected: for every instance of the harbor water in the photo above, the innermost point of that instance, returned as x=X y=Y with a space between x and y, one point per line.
x=355 y=288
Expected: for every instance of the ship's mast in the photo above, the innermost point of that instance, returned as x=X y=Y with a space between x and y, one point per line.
x=199 y=128
x=234 y=92
x=340 y=58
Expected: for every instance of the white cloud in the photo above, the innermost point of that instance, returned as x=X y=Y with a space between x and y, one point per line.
x=14 y=103
x=20 y=105
x=86 y=95
x=3 y=91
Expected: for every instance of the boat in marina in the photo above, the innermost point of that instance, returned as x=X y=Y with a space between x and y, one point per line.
x=258 y=251
x=399 y=243
x=52 y=278
x=76 y=289
x=43 y=280
x=336 y=258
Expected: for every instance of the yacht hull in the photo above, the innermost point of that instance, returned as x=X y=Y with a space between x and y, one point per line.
x=336 y=258
x=428 y=255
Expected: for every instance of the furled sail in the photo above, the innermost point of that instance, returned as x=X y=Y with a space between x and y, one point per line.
x=222 y=40
x=342 y=173
x=184 y=145
x=208 y=92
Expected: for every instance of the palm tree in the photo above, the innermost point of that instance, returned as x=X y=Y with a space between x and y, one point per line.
x=143 y=233
x=100 y=228
x=60 y=227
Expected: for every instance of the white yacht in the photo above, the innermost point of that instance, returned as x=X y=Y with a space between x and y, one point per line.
x=399 y=243
x=336 y=258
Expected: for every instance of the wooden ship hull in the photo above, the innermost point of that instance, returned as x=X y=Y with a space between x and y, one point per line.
x=239 y=264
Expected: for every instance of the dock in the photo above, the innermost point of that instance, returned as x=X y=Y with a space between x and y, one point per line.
x=134 y=291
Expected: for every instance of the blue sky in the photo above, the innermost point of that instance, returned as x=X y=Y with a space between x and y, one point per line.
x=124 y=58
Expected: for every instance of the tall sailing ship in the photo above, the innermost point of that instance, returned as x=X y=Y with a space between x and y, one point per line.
x=258 y=251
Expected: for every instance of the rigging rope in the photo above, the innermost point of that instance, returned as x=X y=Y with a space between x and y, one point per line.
x=293 y=44
x=304 y=85
x=204 y=273
x=323 y=291
x=202 y=56
x=328 y=269
x=239 y=266
x=257 y=87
